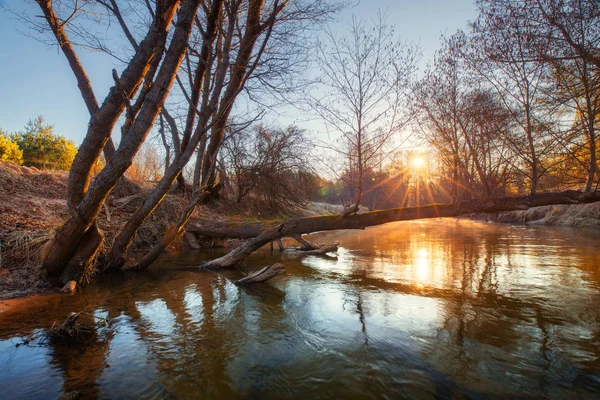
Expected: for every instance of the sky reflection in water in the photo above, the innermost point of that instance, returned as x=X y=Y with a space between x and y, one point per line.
x=425 y=309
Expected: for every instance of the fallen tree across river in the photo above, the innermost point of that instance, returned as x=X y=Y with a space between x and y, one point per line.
x=261 y=233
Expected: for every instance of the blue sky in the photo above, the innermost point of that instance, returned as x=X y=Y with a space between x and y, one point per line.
x=35 y=79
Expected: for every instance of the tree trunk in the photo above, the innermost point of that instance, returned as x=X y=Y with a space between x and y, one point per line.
x=69 y=236
x=593 y=162
x=171 y=234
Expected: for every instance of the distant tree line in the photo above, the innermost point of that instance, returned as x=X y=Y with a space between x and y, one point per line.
x=513 y=104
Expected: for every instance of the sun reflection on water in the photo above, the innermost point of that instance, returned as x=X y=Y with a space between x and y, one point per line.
x=422 y=265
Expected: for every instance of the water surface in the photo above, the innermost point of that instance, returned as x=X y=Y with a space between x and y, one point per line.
x=438 y=309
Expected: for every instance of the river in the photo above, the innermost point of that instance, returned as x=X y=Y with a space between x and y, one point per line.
x=437 y=309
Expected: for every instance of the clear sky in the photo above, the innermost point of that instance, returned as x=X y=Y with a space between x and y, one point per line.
x=36 y=80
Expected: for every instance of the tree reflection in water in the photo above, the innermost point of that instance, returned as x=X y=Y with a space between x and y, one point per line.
x=418 y=309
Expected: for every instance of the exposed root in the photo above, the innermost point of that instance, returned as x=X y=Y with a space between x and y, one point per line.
x=70 y=331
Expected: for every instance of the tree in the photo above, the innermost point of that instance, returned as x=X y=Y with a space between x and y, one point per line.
x=570 y=28
x=142 y=89
x=221 y=43
x=363 y=93
x=439 y=98
x=9 y=150
x=271 y=166
x=223 y=67
x=568 y=33
x=42 y=148
x=575 y=89
x=466 y=122
x=500 y=48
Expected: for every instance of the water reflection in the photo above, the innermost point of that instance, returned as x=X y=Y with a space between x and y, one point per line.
x=435 y=309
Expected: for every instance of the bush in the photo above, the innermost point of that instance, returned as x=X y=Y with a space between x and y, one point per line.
x=43 y=149
x=9 y=150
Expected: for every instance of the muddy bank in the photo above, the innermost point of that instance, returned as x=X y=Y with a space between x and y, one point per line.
x=573 y=215
x=33 y=204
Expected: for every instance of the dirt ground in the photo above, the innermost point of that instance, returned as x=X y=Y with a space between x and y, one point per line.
x=33 y=204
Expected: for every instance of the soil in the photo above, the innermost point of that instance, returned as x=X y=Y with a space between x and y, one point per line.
x=33 y=204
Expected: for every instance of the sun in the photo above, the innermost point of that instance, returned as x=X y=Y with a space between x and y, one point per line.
x=418 y=162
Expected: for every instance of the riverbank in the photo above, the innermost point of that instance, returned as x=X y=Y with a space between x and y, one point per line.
x=567 y=215
x=33 y=204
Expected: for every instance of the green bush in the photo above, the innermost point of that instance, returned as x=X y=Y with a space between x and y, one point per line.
x=42 y=148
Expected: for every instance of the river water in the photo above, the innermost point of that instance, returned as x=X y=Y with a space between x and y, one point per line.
x=438 y=309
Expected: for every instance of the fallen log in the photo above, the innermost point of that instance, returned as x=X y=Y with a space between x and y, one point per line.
x=263 y=275
x=300 y=226
x=261 y=233
x=306 y=245
x=327 y=248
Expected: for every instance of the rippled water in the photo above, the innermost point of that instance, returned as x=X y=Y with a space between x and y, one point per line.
x=443 y=309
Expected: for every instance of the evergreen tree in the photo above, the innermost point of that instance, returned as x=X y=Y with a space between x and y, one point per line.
x=42 y=148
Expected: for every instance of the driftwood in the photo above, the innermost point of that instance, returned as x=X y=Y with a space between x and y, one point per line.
x=264 y=274
x=261 y=233
x=69 y=287
x=326 y=248
x=68 y=328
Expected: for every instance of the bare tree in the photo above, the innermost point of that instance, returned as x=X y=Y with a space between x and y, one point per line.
x=571 y=28
x=153 y=67
x=439 y=100
x=220 y=42
x=363 y=93
x=562 y=35
x=465 y=122
x=499 y=48
x=270 y=166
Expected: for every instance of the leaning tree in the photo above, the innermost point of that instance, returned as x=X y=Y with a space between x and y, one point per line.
x=221 y=43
